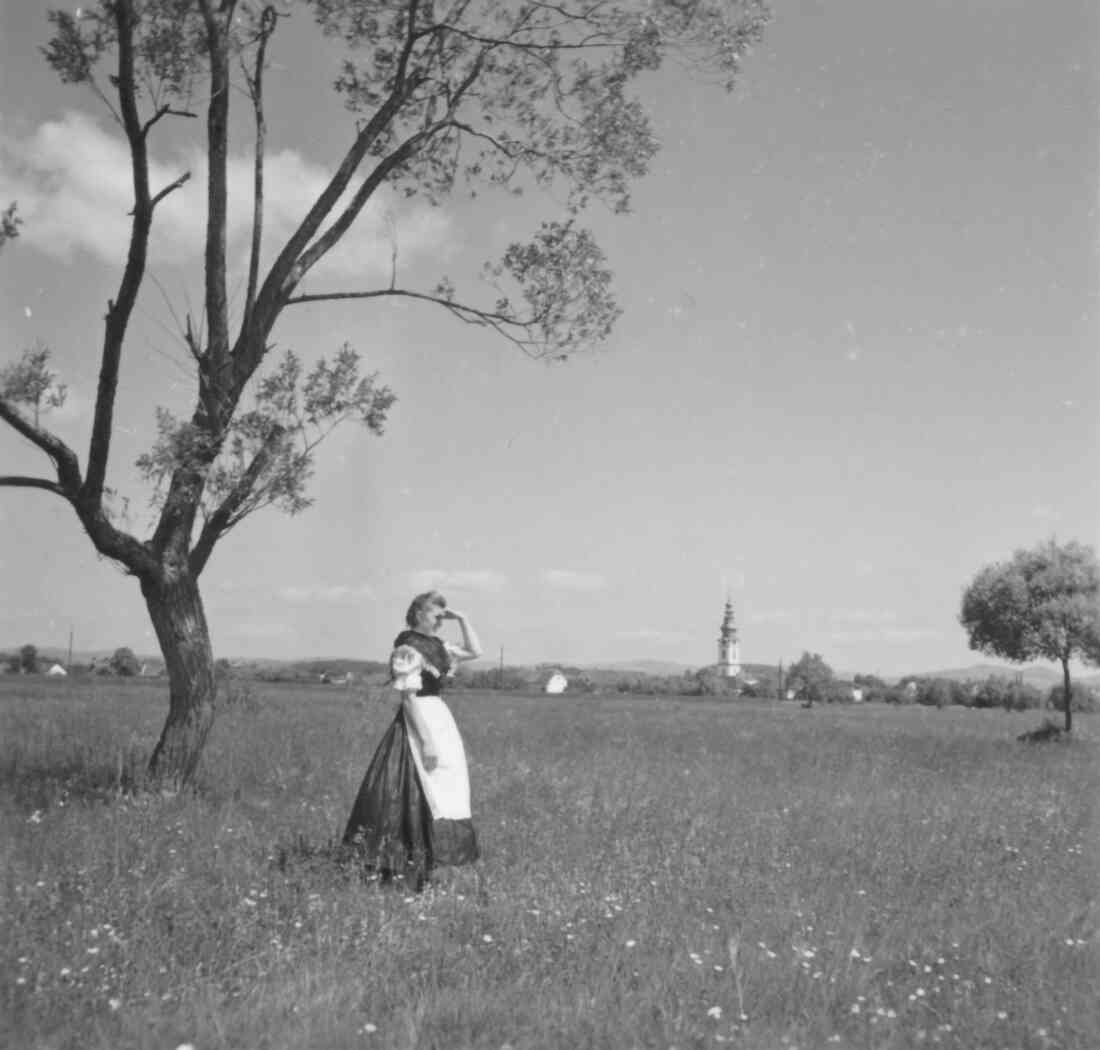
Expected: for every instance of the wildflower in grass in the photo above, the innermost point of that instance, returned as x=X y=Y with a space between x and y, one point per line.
x=715 y=1012
x=1001 y=1015
x=114 y=1004
x=487 y=938
x=630 y=944
x=369 y=1028
x=855 y=1008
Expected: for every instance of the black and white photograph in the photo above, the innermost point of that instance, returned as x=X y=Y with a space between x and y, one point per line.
x=550 y=525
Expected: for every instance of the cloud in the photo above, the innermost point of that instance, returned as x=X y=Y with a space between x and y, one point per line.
x=568 y=580
x=72 y=180
x=479 y=581
x=338 y=592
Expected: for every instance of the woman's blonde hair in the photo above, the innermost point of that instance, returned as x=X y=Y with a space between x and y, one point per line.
x=421 y=602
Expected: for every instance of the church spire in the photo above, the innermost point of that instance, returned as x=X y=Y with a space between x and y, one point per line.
x=729 y=651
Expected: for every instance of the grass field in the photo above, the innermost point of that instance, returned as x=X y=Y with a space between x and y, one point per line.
x=657 y=873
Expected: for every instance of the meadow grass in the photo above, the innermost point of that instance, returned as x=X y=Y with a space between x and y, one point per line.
x=656 y=873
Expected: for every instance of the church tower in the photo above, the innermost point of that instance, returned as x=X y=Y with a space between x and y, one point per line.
x=729 y=651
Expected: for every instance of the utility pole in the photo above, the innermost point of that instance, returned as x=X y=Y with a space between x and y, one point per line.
x=500 y=670
x=69 y=662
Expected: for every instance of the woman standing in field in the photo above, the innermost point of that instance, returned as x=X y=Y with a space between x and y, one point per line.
x=413 y=809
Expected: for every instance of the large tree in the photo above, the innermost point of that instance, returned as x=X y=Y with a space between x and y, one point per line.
x=1041 y=604
x=441 y=95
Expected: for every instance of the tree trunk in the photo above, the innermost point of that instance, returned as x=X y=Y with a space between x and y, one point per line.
x=175 y=607
x=1066 y=690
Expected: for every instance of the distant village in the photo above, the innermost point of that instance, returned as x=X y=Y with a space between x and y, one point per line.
x=808 y=680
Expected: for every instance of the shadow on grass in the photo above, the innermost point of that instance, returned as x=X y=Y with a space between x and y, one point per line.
x=1047 y=732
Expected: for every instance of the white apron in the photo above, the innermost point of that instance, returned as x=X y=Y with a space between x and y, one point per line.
x=447 y=787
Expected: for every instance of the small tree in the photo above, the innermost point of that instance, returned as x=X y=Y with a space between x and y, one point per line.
x=28 y=659
x=9 y=224
x=811 y=678
x=124 y=663
x=1042 y=604
x=30 y=382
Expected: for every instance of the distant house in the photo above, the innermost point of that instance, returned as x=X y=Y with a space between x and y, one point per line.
x=57 y=671
x=556 y=683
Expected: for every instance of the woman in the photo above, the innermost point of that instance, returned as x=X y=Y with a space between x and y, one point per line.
x=413 y=809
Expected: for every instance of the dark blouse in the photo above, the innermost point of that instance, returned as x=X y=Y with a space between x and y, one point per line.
x=435 y=653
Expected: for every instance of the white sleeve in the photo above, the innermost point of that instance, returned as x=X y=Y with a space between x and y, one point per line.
x=405 y=666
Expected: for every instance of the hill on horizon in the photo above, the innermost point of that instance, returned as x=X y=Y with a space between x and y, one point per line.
x=1042 y=676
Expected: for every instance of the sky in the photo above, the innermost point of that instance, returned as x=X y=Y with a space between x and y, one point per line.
x=857 y=361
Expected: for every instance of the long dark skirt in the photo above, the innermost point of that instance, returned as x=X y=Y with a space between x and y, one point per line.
x=391 y=826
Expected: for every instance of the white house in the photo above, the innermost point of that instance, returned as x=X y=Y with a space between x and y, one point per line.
x=556 y=683
x=57 y=671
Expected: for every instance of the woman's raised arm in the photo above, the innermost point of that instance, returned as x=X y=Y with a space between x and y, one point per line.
x=471 y=647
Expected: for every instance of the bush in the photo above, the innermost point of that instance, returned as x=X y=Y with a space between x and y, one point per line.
x=934 y=692
x=1084 y=698
x=25 y=661
x=124 y=663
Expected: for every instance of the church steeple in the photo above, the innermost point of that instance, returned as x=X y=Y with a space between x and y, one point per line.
x=729 y=651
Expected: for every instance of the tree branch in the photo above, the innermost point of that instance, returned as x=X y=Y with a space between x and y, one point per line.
x=226 y=515
x=217 y=133
x=502 y=324
x=166 y=111
x=169 y=188
x=255 y=91
x=18 y=482
x=65 y=461
x=384 y=169
x=107 y=539
x=285 y=272
x=118 y=312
